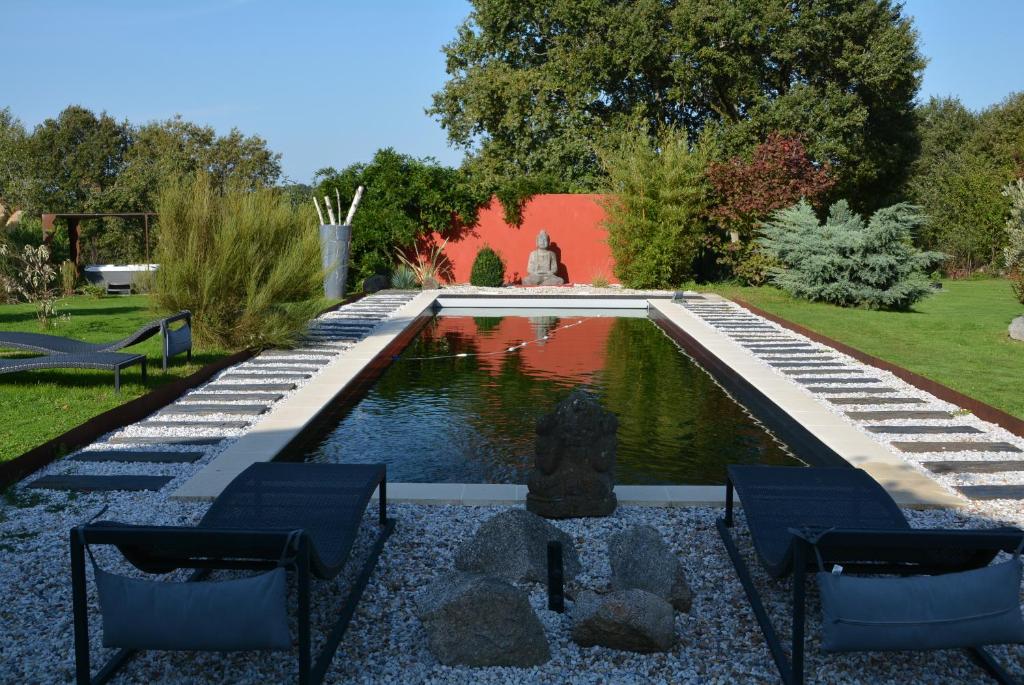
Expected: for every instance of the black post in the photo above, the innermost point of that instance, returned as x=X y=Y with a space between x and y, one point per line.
x=80 y=612
x=302 y=580
x=556 y=577
x=382 y=494
x=728 y=501
x=799 y=608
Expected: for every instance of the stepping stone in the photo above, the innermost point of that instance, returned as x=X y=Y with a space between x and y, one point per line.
x=801 y=360
x=830 y=381
x=291 y=353
x=973 y=466
x=921 y=430
x=150 y=457
x=874 y=400
x=783 y=351
x=100 y=483
x=288 y=370
x=193 y=424
x=790 y=364
x=763 y=346
x=957 y=446
x=261 y=374
x=268 y=397
x=254 y=387
x=289 y=361
x=884 y=415
x=992 y=491
x=828 y=391
x=804 y=372
x=207 y=408
x=182 y=440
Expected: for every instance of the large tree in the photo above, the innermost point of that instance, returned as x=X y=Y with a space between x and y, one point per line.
x=14 y=185
x=534 y=84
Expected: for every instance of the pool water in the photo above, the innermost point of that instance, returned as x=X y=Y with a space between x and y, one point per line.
x=456 y=406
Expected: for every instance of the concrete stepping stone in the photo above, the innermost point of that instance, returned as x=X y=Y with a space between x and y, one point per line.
x=292 y=353
x=254 y=387
x=233 y=397
x=100 y=483
x=992 y=491
x=182 y=440
x=784 y=351
x=262 y=374
x=828 y=391
x=761 y=346
x=831 y=381
x=790 y=364
x=193 y=424
x=140 y=456
x=827 y=372
x=875 y=400
x=974 y=466
x=771 y=359
x=955 y=446
x=260 y=369
x=885 y=415
x=213 y=408
x=288 y=361
x=921 y=430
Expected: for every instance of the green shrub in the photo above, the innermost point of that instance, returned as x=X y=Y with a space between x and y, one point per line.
x=600 y=280
x=488 y=269
x=1014 y=252
x=404 y=278
x=97 y=292
x=847 y=261
x=68 y=277
x=245 y=263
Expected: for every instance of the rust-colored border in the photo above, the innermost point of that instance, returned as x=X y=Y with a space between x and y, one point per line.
x=985 y=412
x=15 y=469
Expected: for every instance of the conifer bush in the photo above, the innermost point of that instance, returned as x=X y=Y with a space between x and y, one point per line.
x=847 y=261
x=488 y=269
x=246 y=263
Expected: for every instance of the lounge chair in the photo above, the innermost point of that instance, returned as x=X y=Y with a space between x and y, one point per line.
x=811 y=518
x=107 y=361
x=312 y=510
x=175 y=340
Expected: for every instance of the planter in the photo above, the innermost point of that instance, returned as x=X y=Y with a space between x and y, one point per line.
x=334 y=252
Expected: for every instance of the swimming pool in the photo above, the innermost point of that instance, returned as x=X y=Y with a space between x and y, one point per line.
x=459 y=403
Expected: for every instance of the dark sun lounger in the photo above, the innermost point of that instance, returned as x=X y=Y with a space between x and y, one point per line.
x=315 y=508
x=857 y=526
x=106 y=361
x=175 y=340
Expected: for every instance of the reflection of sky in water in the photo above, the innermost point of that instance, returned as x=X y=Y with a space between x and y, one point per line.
x=471 y=418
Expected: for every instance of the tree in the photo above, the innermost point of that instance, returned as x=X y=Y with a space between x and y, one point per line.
x=533 y=85
x=1014 y=252
x=14 y=174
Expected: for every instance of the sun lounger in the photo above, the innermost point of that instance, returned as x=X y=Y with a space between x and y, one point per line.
x=107 y=361
x=304 y=517
x=824 y=518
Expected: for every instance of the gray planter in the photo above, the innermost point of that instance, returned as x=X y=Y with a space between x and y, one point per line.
x=334 y=253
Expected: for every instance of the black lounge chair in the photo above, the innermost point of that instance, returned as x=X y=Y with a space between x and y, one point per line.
x=261 y=511
x=106 y=361
x=175 y=340
x=853 y=522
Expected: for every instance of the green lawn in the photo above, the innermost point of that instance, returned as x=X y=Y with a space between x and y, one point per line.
x=36 y=406
x=956 y=337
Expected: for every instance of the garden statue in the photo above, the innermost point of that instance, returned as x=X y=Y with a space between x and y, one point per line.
x=541 y=268
x=575 y=461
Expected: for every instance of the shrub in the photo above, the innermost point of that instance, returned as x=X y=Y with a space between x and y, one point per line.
x=847 y=261
x=33 y=281
x=600 y=280
x=404 y=278
x=1014 y=252
x=427 y=269
x=68 y=277
x=488 y=269
x=245 y=263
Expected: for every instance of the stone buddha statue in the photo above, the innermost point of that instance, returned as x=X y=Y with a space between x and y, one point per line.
x=541 y=268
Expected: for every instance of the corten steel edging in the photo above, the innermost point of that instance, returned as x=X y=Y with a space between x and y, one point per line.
x=15 y=469
x=985 y=412
x=804 y=443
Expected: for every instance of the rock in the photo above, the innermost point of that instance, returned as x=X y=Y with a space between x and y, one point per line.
x=514 y=545
x=1017 y=328
x=641 y=560
x=633 y=620
x=474 y=620
x=575 y=460
x=376 y=283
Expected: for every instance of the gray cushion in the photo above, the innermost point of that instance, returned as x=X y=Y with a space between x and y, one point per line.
x=223 y=615
x=966 y=609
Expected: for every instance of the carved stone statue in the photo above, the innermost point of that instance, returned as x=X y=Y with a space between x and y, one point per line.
x=541 y=268
x=575 y=461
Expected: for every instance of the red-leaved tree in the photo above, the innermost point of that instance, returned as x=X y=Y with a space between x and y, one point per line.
x=778 y=173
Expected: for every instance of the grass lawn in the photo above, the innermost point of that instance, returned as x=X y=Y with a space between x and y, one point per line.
x=956 y=337
x=36 y=406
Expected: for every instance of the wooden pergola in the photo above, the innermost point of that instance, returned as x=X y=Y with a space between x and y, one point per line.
x=72 y=220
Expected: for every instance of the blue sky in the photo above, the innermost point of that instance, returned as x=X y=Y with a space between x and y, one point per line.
x=327 y=83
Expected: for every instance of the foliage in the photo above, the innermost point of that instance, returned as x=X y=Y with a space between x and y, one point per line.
x=428 y=269
x=406 y=200
x=244 y=263
x=1014 y=251
x=600 y=280
x=657 y=209
x=777 y=174
x=847 y=261
x=33 y=280
x=532 y=85
x=403 y=278
x=68 y=277
x=747 y=263
x=97 y=292
x=14 y=174
x=488 y=269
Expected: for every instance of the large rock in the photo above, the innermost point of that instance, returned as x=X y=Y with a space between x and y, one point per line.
x=633 y=620
x=1017 y=328
x=476 y=620
x=575 y=460
x=641 y=560
x=514 y=545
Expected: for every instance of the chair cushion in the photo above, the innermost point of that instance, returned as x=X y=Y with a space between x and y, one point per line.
x=223 y=615
x=964 y=609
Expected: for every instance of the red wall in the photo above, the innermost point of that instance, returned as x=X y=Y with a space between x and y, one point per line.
x=573 y=223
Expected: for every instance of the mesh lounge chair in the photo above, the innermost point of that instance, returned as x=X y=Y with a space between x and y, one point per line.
x=175 y=340
x=857 y=525
x=261 y=511
x=107 y=361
